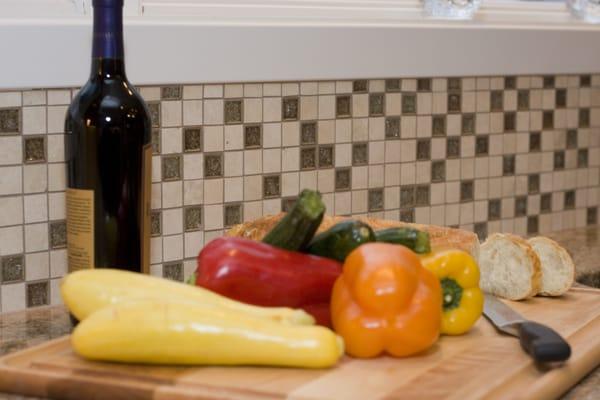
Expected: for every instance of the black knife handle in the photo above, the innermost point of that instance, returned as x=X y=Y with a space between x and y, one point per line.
x=542 y=343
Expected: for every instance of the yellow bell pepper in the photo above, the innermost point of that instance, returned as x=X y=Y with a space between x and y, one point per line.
x=462 y=299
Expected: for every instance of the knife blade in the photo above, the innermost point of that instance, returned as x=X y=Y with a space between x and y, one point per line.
x=541 y=342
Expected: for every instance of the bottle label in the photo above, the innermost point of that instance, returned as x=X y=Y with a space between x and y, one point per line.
x=145 y=209
x=80 y=228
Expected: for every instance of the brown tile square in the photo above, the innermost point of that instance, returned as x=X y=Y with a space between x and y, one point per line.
x=592 y=215
x=326 y=159
x=466 y=191
x=34 y=149
x=287 y=203
x=532 y=225
x=155 y=139
x=548 y=119
x=154 y=110
x=582 y=158
x=438 y=125
x=584 y=118
x=360 y=86
x=271 y=186
x=454 y=102
x=585 y=81
x=155 y=223
x=535 y=141
x=496 y=100
x=290 y=108
x=572 y=139
x=560 y=98
x=533 y=183
x=546 y=203
x=548 y=82
x=308 y=158
x=13 y=268
x=481 y=146
x=453 y=147
x=360 y=154
x=10 y=121
x=407 y=196
x=376 y=104
x=233 y=214
x=481 y=230
x=343 y=179
x=343 y=106
x=392 y=85
x=454 y=84
x=494 y=209
x=423 y=149
x=523 y=100
x=308 y=133
x=173 y=271
x=38 y=294
x=510 y=122
x=569 y=199
x=392 y=127
x=213 y=165
x=424 y=85
x=58 y=234
x=192 y=139
x=438 y=171
x=407 y=215
x=170 y=92
x=468 y=124
x=234 y=113
x=521 y=206
x=510 y=82
x=508 y=164
x=252 y=136
x=375 y=201
x=422 y=195
x=192 y=218
x=171 y=168
x=559 y=160
x=409 y=103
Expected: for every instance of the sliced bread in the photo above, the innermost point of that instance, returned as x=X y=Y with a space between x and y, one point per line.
x=558 y=269
x=509 y=267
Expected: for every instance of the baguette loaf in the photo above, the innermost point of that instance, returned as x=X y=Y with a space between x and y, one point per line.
x=441 y=237
x=509 y=266
x=558 y=269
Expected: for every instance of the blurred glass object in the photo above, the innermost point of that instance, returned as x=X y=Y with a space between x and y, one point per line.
x=587 y=10
x=451 y=9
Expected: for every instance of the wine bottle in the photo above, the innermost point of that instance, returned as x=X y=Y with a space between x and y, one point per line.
x=108 y=151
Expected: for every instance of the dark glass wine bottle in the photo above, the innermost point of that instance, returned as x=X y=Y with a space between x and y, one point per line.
x=108 y=151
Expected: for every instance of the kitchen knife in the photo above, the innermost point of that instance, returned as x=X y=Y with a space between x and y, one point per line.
x=542 y=343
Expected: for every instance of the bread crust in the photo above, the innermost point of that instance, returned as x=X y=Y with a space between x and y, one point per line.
x=565 y=258
x=440 y=237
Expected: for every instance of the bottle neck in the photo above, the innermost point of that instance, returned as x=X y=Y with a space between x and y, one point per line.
x=107 y=46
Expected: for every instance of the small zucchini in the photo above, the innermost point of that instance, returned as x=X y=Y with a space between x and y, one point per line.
x=414 y=239
x=298 y=226
x=341 y=239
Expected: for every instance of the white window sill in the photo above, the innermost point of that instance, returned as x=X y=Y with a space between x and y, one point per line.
x=366 y=40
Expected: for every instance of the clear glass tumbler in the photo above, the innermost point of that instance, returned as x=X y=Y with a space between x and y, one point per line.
x=587 y=10
x=451 y=9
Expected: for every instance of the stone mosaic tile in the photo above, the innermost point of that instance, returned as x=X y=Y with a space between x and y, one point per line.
x=271 y=186
x=392 y=128
x=438 y=125
x=10 y=121
x=171 y=168
x=468 y=124
x=326 y=156
x=38 y=294
x=392 y=85
x=343 y=106
x=308 y=158
x=360 y=154
x=155 y=223
x=409 y=103
x=233 y=214
x=423 y=149
x=308 y=133
x=192 y=139
x=376 y=200
x=173 y=271
x=13 y=268
x=343 y=179
x=290 y=108
x=252 y=136
x=376 y=104
x=213 y=165
x=34 y=149
x=58 y=234
x=171 y=92
x=192 y=218
x=234 y=113
x=360 y=86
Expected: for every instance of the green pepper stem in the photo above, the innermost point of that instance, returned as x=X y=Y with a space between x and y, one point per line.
x=451 y=293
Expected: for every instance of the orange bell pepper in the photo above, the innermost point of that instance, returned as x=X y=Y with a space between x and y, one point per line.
x=385 y=301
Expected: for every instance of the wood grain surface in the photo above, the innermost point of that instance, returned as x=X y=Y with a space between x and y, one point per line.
x=483 y=364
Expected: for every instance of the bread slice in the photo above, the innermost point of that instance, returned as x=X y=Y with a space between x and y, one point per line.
x=509 y=267
x=441 y=237
x=558 y=269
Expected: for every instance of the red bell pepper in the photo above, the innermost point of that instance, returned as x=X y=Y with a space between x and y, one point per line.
x=260 y=274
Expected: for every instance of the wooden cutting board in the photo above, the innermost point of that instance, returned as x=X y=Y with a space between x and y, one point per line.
x=481 y=364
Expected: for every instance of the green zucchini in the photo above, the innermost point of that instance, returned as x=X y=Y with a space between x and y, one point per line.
x=414 y=239
x=295 y=230
x=341 y=239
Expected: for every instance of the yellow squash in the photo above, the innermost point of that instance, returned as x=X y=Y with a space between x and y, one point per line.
x=87 y=291
x=183 y=333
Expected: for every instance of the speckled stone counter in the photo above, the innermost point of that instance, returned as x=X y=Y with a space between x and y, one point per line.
x=27 y=328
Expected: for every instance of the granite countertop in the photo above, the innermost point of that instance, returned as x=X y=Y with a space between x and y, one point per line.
x=23 y=329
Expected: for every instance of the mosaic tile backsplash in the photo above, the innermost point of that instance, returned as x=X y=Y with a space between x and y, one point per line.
x=514 y=154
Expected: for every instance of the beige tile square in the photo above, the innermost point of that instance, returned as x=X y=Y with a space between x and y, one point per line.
x=452 y=192
x=560 y=119
x=290 y=184
x=308 y=180
x=326 y=107
x=496 y=122
x=468 y=102
x=360 y=129
x=376 y=176
x=328 y=200
x=497 y=83
x=376 y=85
x=481 y=189
x=252 y=187
x=408 y=150
x=193 y=243
x=343 y=203
x=548 y=98
x=521 y=185
x=272 y=89
x=56 y=148
x=173 y=247
x=193 y=192
x=213 y=191
x=273 y=206
x=213 y=138
x=482 y=123
x=360 y=177
x=253 y=109
x=423 y=126
x=192 y=92
x=11 y=210
x=468 y=84
x=234 y=163
x=56 y=119
x=326 y=87
x=523 y=122
x=156 y=169
x=193 y=166
x=343 y=155
x=377 y=128
x=508 y=186
x=213 y=91
x=439 y=103
x=35 y=179
x=326 y=131
x=439 y=84
x=172 y=194
x=13 y=297
x=11 y=151
x=325 y=180
x=290 y=159
x=213 y=112
x=271 y=160
x=408 y=173
x=156 y=197
x=438 y=148
x=172 y=221
x=58 y=263
x=309 y=88
x=309 y=107
x=171 y=140
x=234 y=189
x=150 y=93
x=60 y=96
x=466 y=213
x=234 y=137
x=424 y=103
x=252 y=210
x=453 y=125
x=234 y=90
x=535 y=99
x=437 y=215
x=392 y=174
x=452 y=170
x=213 y=217
x=57 y=177
x=391 y=197
x=452 y=214
x=11 y=241
x=467 y=146
x=56 y=206
x=290 y=135
x=481 y=167
x=482 y=83
x=423 y=172
x=343 y=130
x=36 y=237
x=467 y=168
x=359 y=201
x=482 y=102
x=393 y=104
x=422 y=215
x=32 y=98
x=192 y=112
x=35 y=208
x=360 y=105
x=510 y=100
x=376 y=152
x=393 y=151
x=409 y=85
x=170 y=114
x=290 y=89
x=271 y=135
x=34 y=120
